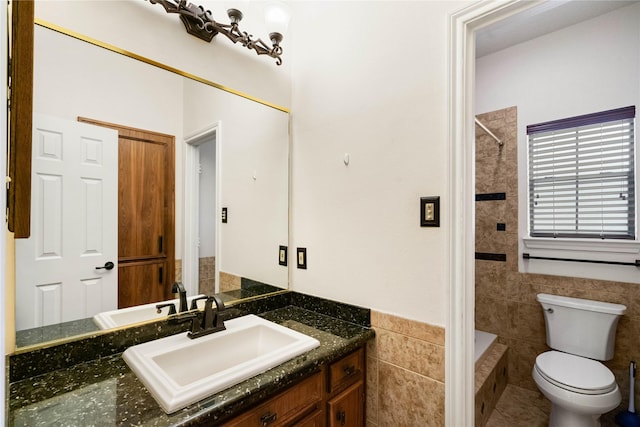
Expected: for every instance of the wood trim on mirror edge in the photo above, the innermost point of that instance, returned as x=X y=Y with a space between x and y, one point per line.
x=20 y=118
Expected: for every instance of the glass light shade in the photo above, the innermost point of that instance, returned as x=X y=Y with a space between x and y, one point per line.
x=277 y=15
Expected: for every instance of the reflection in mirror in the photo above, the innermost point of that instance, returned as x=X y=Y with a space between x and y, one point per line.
x=231 y=152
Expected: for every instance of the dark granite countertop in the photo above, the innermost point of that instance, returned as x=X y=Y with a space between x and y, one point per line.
x=105 y=392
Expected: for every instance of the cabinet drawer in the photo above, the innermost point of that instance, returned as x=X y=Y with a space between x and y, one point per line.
x=345 y=371
x=286 y=407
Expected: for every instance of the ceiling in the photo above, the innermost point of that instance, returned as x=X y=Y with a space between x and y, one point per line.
x=539 y=20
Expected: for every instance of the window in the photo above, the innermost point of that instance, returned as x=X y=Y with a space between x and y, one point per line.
x=581 y=176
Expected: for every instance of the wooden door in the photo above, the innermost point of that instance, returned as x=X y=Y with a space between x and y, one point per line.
x=142 y=282
x=146 y=236
x=73 y=214
x=141 y=190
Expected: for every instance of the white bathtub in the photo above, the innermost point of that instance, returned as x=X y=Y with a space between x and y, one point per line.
x=483 y=341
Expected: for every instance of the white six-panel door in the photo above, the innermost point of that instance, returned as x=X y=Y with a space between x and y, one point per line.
x=74 y=225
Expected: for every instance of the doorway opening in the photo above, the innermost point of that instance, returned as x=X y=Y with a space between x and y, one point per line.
x=459 y=354
x=201 y=257
x=465 y=31
x=207 y=211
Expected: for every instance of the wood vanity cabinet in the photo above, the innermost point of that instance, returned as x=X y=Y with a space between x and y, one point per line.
x=345 y=391
x=333 y=397
x=316 y=419
x=287 y=408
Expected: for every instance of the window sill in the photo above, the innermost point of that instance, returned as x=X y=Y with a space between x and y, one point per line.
x=588 y=246
x=627 y=251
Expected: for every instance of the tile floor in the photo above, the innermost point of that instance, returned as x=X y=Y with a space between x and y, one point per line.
x=520 y=407
x=526 y=408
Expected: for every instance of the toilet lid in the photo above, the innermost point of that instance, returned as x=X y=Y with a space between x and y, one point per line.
x=575 y=373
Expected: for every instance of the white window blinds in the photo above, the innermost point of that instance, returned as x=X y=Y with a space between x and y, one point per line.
x=581 y=176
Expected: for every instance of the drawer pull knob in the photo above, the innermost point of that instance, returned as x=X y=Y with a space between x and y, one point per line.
x=268 y=418
x=341 y=417
x=349 y=370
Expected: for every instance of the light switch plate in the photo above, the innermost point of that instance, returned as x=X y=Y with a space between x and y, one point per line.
x=282 y=256
x=302 y=258
x=430 y=211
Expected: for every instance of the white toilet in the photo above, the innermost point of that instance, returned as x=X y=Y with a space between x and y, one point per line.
x=580 y=332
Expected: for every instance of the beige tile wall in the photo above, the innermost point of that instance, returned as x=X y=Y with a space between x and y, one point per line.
x=505 y=298
x=207 y=275
x=491 y=378
x=229 y=282
x=405 y=373
x=178 y=271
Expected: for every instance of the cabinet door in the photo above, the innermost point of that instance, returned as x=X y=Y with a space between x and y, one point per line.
x=142 y=283
x=347 y=408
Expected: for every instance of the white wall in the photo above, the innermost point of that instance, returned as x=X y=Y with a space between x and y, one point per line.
x=73 y=78
x=370 y=79
x=254 y=143
x=207 y=200
x=377 y=90
x=588 y=67
x=147 y=30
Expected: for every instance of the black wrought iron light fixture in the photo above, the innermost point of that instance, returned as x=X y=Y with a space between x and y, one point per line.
x=200 y=23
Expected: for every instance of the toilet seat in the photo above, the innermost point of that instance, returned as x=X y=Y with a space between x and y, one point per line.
x=575 y=373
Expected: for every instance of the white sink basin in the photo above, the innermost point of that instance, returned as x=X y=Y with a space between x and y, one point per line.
x=139 y=313
x=179 y=371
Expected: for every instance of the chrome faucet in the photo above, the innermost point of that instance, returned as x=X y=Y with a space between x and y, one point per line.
x=178 y=288
x=211 y=319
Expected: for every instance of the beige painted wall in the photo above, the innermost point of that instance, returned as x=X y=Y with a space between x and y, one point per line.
x=380 y=95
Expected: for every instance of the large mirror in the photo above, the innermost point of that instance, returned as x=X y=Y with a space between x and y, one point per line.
x=225 y=201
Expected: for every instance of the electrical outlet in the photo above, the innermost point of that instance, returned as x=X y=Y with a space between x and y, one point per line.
x=224 y=215
x=282 y=256
x=302 y=258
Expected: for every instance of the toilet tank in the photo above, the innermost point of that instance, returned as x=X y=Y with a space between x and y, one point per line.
x=579 y=326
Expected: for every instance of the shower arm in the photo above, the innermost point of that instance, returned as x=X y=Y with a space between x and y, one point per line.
x=491 y=134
